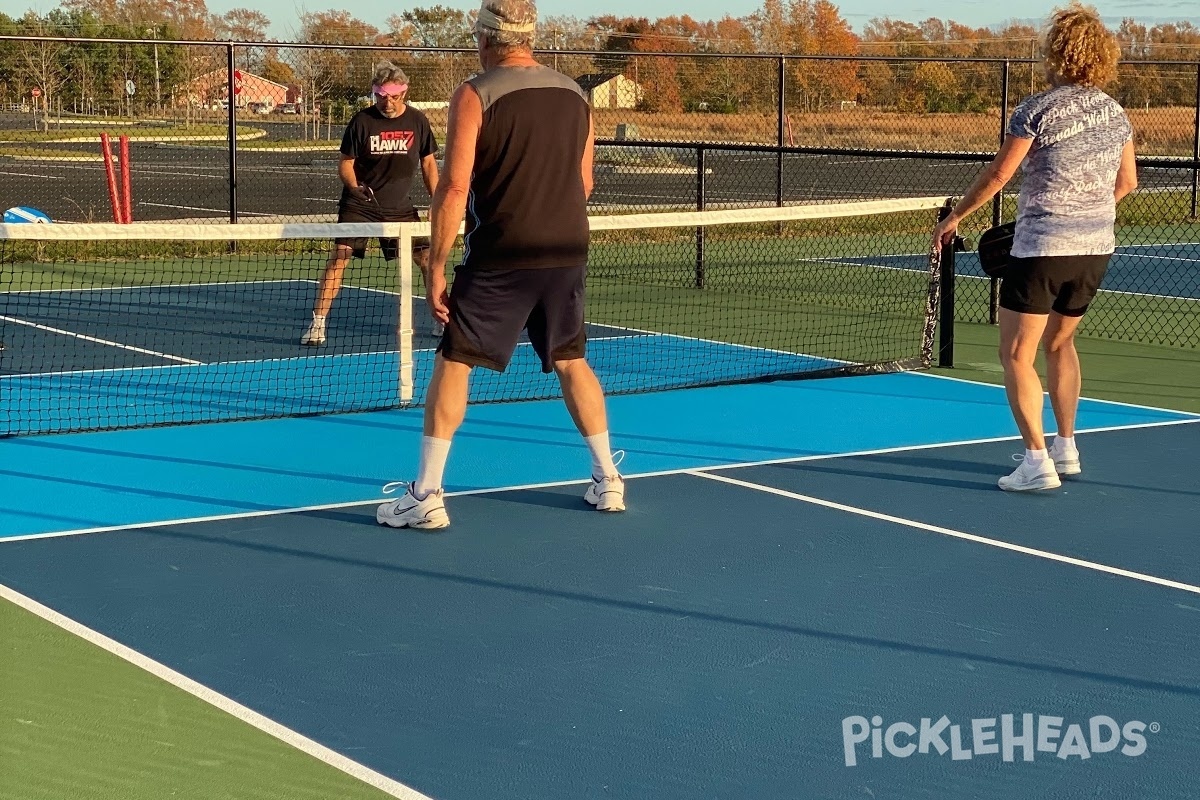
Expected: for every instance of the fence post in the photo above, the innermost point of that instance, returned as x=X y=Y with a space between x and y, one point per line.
x=231 y=88
x=998 y=202
x=1196 y=149
x=946 y=294
x=780 y=141
x=700 y=203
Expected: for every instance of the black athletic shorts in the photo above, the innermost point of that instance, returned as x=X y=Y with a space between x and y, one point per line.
x=490 y=307
x=1041 y=284
x=390 y=247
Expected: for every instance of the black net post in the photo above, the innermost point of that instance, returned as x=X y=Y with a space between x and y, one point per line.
x=780 y=121
x=700 y=203
x=946 y=292
x=998 y=202
x=231 y=88
x=1196 y=149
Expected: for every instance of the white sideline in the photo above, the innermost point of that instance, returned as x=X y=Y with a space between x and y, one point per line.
x=970 y=537
x=214 y=698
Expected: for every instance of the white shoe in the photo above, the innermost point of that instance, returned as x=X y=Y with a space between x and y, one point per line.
x=607 y=493
x=409 y=512
x=1030 y=478
x=315 y=335
x=1066 y=459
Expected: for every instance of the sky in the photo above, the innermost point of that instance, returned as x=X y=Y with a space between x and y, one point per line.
x=976 y=13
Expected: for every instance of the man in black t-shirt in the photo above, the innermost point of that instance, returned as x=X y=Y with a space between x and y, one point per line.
x=382 y=149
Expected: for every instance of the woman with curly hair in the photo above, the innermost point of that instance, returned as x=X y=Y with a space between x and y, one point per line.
x=1074 y=145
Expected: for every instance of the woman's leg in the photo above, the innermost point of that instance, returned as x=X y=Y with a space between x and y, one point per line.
x=1063 y=377
x=1019 y=338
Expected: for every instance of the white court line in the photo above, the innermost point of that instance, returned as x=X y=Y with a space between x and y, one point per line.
x=98 y=340
x=274 y=512
x=1162 y=258
x=1103 y=291
x=275 y=361
x=27 y=175
x=214 y=698
x=216 y=177
x=156 y=286
x=1047 y=394
x=320 y=199
x=240 y=212
x=970 y=537
x=1160 y=244
x=304 y=358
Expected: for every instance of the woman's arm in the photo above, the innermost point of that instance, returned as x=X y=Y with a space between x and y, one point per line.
x=993 y=178
x=1126 y=173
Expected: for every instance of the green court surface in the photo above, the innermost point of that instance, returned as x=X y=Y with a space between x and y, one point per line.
x=1126 y=372
x=79 y=723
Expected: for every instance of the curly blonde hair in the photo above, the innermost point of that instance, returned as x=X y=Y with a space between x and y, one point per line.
x=1078 y=48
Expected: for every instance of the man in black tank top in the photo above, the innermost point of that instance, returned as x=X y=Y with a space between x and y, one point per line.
x=519 y=165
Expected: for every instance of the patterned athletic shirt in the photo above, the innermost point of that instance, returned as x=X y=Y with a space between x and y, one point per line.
x=1066 y=205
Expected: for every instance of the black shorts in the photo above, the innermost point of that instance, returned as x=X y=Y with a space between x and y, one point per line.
x=1063 y=284
x=390 y=247
x=490 y=307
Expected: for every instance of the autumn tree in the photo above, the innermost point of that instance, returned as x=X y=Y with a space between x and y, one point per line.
x=329 y=74
x=434 y=76
x=244 y=25
x=436 y=26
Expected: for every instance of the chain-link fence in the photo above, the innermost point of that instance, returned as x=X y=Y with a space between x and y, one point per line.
x=675 y=131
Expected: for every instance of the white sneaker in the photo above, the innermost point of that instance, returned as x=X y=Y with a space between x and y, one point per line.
x=607 y=493
x=409 y=512
x=1029 y=478
x=1066 y=459
x=315 y=335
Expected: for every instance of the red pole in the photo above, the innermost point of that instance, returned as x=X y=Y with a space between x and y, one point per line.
x=127 y=200
x=106 y=152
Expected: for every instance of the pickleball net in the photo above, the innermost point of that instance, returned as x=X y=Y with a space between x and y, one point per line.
x=116 y=326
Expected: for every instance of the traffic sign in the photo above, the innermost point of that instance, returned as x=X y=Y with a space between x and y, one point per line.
x=35 y=92
x=237 y=81
x=129 y=88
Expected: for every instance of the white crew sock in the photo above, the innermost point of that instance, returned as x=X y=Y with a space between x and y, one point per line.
x=1035 y=457
x=434 y=453
x=602 y=460
x=1061 y=443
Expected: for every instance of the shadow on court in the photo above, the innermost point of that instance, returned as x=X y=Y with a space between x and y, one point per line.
x=712 y=641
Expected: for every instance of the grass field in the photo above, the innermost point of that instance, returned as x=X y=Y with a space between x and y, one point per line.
x=139 y=133
x=1160 y=131
x=1166 y=131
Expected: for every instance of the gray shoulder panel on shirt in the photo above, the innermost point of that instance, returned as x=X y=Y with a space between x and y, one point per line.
x=500 y=81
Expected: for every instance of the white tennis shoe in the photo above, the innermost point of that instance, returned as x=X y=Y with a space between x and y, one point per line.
x=1066 y=459
x=607 y=493
x=1030 y=477
x=315 y=335
x=409 y=512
